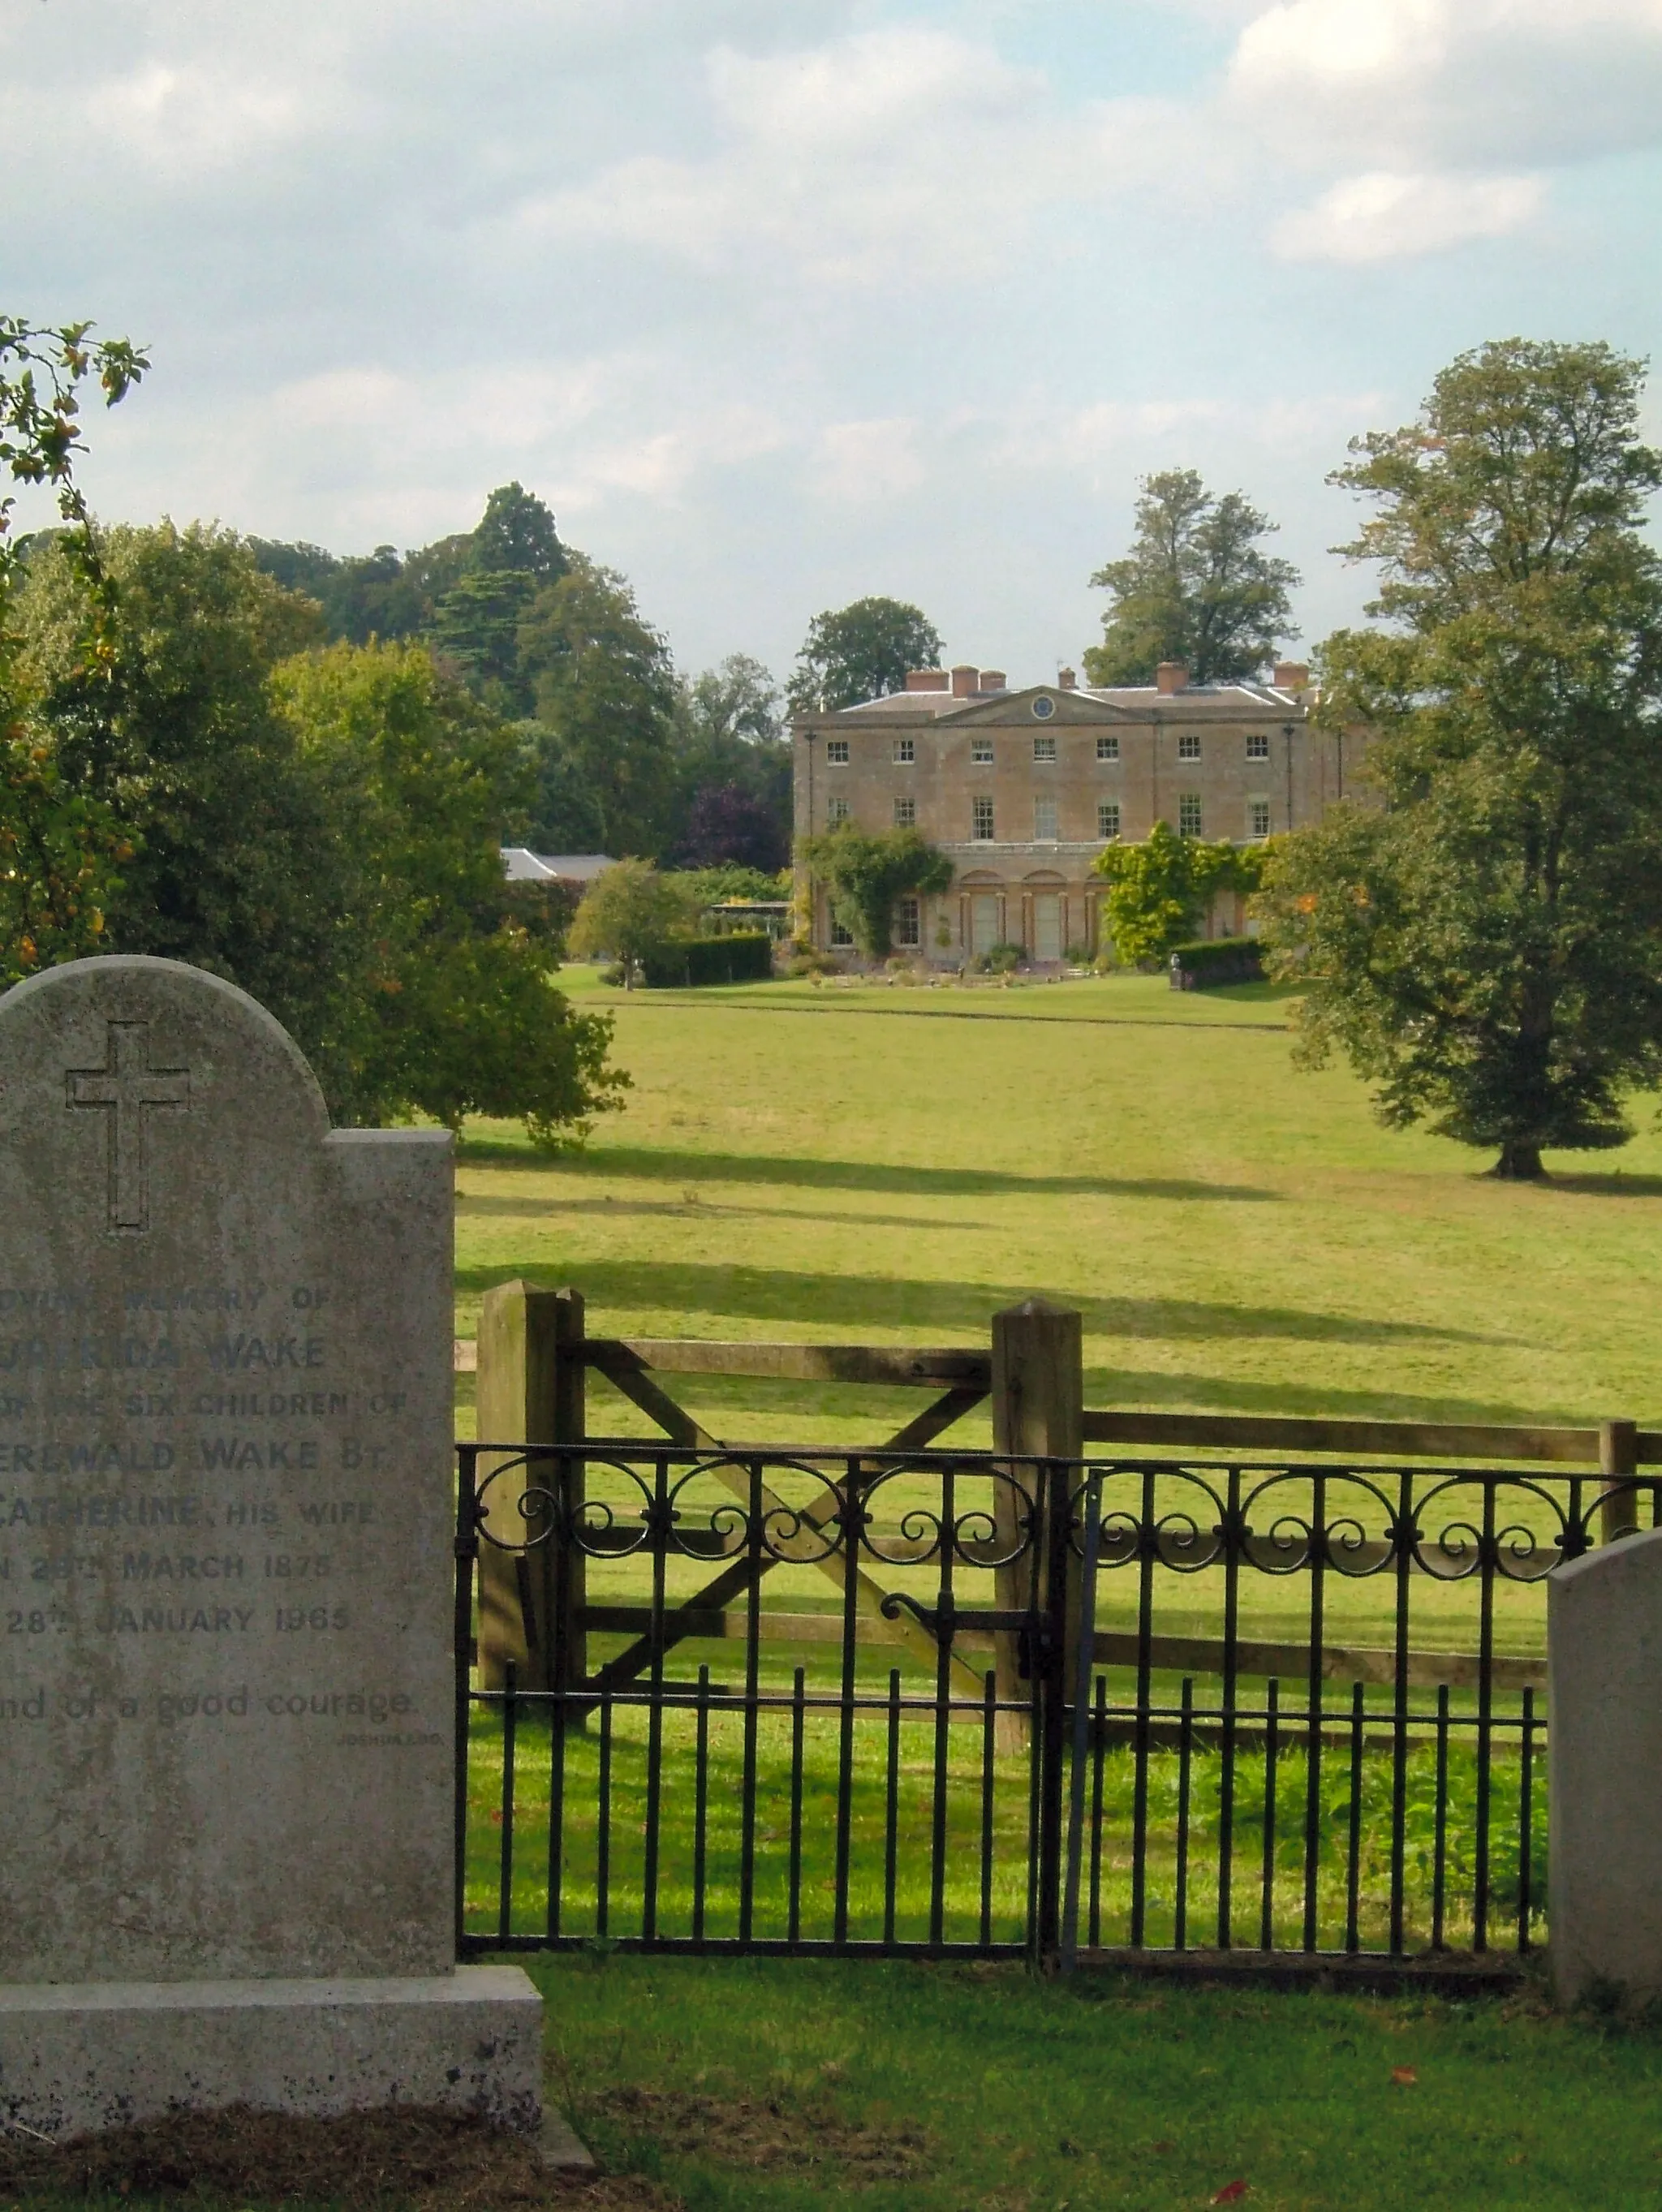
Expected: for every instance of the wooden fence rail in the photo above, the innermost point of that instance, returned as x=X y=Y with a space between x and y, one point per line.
x=1169 y=1655
x=951 y=1367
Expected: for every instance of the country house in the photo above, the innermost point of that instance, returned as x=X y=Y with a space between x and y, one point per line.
x=1023 y=789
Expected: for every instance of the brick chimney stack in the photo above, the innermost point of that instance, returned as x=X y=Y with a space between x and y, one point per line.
x=1170 y=676
x=926 y=679
x=993 y=679
x=1066 y=680
x=967 y=677
x=1291 y=675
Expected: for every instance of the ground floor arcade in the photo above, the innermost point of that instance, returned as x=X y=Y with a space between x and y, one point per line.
x=1044 y=901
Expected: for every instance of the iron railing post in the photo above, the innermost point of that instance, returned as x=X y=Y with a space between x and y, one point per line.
x=1083 y=1653
x=467 y=1551
x=1049 y=1663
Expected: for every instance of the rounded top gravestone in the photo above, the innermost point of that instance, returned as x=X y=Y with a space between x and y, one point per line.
x=225 y=1498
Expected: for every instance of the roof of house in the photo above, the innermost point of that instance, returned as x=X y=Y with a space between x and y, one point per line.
x=1143 y=702
x=521 y=865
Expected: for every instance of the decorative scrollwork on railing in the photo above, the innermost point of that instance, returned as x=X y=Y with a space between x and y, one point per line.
x=992 y=1530
x=1351 y=1533
x=1185 y=1537
x=791 y=1509
x=755 y=1517
x=1287 y=1546
x=1348 y=1549
x=1354 y=1523
x=534 y=1509
x=980 y=1513
x=1475 y=1539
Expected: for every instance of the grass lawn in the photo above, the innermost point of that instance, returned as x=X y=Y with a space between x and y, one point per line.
x=873 y=1163
x=892 y=1166
x=794 y=1866
x=975 y=2089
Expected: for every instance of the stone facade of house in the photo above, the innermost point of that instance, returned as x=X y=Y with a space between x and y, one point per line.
x=1022 y=789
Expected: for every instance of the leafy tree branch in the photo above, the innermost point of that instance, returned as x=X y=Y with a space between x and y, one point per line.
x=61 y=844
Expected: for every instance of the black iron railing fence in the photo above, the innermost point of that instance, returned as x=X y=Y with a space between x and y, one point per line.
x=952 y=1702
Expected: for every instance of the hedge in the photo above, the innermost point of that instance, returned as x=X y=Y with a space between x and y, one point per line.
x=1214 y=960
x=682 y=963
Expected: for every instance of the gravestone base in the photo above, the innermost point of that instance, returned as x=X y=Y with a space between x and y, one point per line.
x=76 y=2058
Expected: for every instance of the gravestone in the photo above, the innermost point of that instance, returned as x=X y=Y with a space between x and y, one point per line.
x=227 y=1685
x=1605 y=1769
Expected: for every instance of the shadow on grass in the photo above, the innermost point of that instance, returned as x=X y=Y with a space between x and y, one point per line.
x=860 y=1302
x=1254 y=994
x=693 y=1205
x=1614 y=1185
x=846 y=1175
x=1149 y=1389
x=835 y=1005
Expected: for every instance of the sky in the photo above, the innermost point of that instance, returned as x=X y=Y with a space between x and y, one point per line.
x=780 y=302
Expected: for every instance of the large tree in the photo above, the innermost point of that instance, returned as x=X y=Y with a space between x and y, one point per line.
x=513 y=554
x=230 y=856
x=440 y=993
x=323 y=828
x=733 y=769
x=603 y=687
x=1487 y=948
x=464 y=594
x=516 y=532
x=724 y=825
x=1196 y=586
x=861 y=652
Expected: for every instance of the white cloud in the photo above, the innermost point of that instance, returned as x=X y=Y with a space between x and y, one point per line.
x=586 y=432
x=891 y=154
x=856 y=463
x=1383 y=216
x=1325 y=46
x=1110 y=440
x=781 y=300
x=1433 y=122
x=183 y=120
x=667 y=463
x=1447 y=83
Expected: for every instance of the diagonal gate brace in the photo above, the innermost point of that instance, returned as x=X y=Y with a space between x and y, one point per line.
x=629 y=1375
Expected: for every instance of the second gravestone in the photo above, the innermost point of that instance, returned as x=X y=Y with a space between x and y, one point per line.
x=226 y=1677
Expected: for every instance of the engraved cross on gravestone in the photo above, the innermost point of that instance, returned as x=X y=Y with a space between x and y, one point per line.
x=125 y=1086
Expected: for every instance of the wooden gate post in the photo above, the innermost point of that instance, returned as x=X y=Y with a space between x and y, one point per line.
x=531 y=1379
x=1618 y=1462
x=1038 y=1405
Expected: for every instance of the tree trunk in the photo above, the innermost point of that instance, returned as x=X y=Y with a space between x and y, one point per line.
x=1520 y=1162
